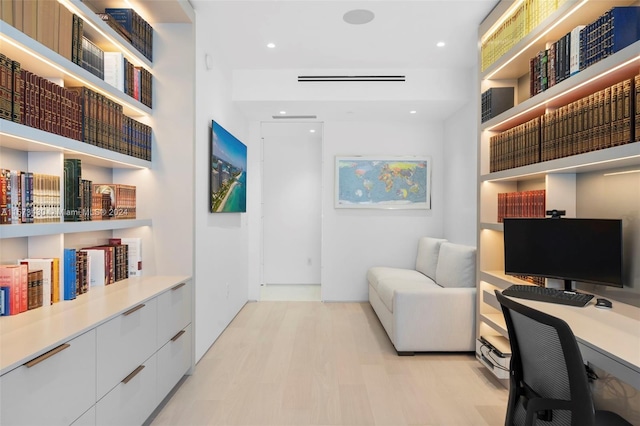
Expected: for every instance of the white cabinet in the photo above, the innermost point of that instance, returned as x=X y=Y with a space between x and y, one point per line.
x=133 y=399
x=174 y=312
x=87 y=419
x=115 y=352
x=54 y=388
x=124 y=342
x=174 y=360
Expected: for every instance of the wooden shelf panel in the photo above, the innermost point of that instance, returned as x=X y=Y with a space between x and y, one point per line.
x=492 y=226
x=495 y=321
x=37 y=229
x=611 y=158
x=23 y=138
x=499 y=279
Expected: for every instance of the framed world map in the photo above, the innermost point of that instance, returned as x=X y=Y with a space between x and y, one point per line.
x=383 y=182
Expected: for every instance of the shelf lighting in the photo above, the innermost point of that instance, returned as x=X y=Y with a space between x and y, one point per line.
x=534 y=41
x=546 y=101
x=622 y=173
x=561 y=169
x=68 y=74
x=73 y=152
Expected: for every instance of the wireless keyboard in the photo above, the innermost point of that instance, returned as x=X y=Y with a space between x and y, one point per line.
x=544 y=294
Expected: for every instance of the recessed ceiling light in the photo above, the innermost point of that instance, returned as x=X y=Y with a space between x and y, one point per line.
x=358 y=16
x=312 y=131
x=440 y=44
x=271 y=45
x=283 y=112
x=412 y=111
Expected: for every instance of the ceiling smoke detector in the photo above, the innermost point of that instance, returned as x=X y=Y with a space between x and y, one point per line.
x=358 y=16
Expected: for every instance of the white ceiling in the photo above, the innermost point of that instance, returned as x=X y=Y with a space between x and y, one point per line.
x=311 y=34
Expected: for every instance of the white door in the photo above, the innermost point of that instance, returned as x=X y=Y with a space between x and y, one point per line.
x=292 y=160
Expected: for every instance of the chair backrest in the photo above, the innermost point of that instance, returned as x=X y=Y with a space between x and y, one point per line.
x=546 y=364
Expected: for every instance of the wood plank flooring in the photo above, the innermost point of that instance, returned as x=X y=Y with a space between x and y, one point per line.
x=314 y=363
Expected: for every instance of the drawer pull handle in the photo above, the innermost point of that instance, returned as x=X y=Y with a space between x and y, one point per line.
x=178 y=286
x=46 y=355
x=132 y=310
x=177 y=336
x=133 y=374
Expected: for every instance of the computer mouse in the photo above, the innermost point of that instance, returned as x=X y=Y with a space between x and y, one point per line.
x=603 y=304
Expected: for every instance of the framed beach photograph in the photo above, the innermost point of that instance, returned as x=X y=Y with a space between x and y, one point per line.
x=228 y=172
x=383 y=182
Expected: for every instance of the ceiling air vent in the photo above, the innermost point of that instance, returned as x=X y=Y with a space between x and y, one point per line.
x=295 y=117
x=327 y=78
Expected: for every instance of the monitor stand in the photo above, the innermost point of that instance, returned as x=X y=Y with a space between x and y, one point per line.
x=568 y=288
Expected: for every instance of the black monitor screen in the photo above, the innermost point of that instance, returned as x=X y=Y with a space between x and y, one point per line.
x=586 y=250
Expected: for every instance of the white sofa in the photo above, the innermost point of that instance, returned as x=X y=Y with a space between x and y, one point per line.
x=431 y=308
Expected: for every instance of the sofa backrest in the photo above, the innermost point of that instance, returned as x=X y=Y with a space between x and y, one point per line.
x=428 y=252
x=456 y=266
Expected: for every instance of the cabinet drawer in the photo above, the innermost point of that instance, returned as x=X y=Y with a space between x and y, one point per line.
x=123 y=343
x=56 y=389
x=87 y=419
x=132 y=402
x=174 y=359
x=174 y=311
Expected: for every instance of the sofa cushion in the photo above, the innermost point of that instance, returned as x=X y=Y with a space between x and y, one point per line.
x=427 y=259
x=387 y=287
x=378 y=273
x=456 y=266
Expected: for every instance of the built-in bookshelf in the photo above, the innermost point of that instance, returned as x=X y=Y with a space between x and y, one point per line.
x=511 y=151
x=40 y=150
x=43 y=150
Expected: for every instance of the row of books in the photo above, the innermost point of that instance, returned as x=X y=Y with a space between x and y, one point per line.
x=75 y=112
x=601 y=120
x=45 y=21
x=140 y=31
x=495 y=101
x=27 y=197
x=584 y=46
x=515 y=147
x=85 y=200
x=92 y=58
x=36 y=282
x=521 y=21
x=21 y=289
x=104 y=125
x=616 y=29
x=598 y=121
x=136 y=82
x=521 y=204
x=56 y=27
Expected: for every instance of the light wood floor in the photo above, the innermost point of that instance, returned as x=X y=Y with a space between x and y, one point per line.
x=314 y=363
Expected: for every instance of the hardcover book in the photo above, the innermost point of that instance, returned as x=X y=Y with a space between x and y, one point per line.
x=69 y=274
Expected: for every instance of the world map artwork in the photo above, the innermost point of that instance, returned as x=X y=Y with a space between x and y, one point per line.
x=382 y=183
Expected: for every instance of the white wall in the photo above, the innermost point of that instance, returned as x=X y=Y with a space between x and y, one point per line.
x=460 y=175
x=291 y=189
x=168 y=193
x=222 y=239
x=355 y=239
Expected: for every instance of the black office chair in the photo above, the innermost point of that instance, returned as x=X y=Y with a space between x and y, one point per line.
x=548 y=378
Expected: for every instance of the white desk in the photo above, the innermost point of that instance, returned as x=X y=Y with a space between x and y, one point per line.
x=608 y=338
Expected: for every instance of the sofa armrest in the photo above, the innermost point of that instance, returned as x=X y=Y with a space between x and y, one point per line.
x=441 y=319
